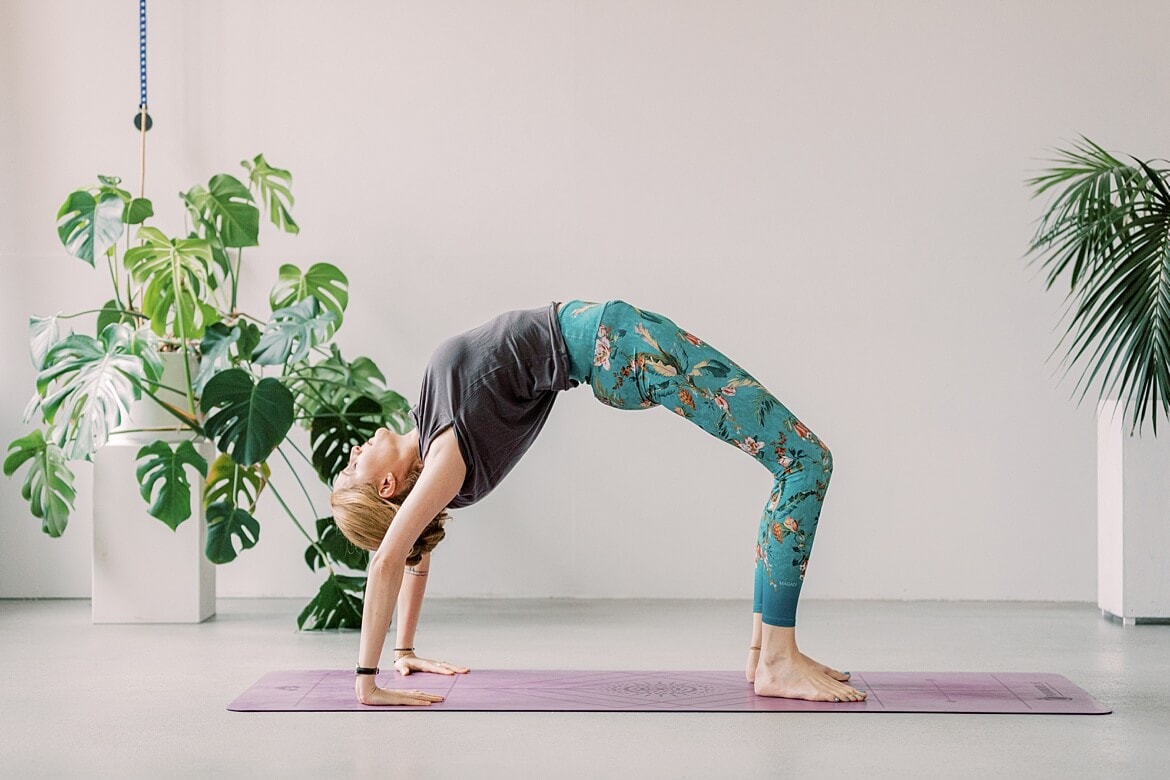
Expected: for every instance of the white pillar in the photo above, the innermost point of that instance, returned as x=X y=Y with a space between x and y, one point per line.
x=143 y=572
x=1133 y=519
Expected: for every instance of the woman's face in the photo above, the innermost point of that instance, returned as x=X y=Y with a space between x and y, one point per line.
x=370 y=463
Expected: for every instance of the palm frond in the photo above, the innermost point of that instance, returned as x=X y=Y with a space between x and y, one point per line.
x=1107 y=228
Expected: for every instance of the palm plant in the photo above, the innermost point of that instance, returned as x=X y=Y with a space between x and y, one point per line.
x=255 y=377
x=1107 y=229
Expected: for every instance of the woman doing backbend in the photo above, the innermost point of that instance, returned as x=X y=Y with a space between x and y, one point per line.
x=485 y=397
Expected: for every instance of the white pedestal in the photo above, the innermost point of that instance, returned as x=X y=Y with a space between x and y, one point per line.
x=143 y=572
x=1133 y=520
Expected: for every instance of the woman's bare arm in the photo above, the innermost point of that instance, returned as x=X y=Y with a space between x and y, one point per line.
x=410 y=600
x=439 y=482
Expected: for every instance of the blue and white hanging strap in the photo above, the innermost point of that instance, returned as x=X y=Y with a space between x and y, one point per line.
x=142 y=119
x=142 y=53
x=142 y=116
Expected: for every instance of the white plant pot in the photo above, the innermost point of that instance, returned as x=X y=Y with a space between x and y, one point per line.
x=1133 y=520
x=143 y=572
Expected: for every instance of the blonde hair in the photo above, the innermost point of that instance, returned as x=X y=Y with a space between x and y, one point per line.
x=364 y=517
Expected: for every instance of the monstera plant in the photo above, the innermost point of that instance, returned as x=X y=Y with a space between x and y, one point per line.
x=245 y=380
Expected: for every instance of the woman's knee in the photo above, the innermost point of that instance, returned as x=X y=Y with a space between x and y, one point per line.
x=807 y=467
x=620 y=311
x=826 y=459
x=617 y=309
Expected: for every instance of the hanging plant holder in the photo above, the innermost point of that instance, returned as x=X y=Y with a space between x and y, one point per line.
x=141 y=116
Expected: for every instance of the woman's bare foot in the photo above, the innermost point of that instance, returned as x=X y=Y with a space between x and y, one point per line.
x=781 y=670
x=839 y=676
x=753 y=660
x=788 y=637
x=799 y=677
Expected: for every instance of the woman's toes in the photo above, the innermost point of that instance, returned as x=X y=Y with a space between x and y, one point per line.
x=847 y=693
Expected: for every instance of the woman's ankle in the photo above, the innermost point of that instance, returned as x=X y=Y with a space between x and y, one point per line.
x=779 y=644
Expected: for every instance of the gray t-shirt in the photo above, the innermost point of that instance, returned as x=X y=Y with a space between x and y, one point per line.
x=496 y=385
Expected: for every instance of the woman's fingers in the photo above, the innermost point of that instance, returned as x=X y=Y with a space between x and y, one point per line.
x=419 y=697
x=391 y=696
x=413 y=664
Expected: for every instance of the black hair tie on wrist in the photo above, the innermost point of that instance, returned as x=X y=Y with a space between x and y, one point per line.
x=366 y=670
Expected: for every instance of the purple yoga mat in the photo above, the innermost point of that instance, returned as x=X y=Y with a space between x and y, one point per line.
x=1023 y=693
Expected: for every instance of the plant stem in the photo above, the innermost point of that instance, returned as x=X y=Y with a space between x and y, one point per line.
x=161 y=386
x=308 y=389
x=158 y=429
x=236 y=275
x=177 y=282
x=114 y=278
x=298 y=450
x=301 y=528
x=297 y=477
x=189 y=421
x=95 y=311
x=245 y=315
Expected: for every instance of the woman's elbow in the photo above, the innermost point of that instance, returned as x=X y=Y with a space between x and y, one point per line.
x=383 y=563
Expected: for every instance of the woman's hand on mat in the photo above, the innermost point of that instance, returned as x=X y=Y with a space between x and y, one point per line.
x=369 y=693
x=412 y=663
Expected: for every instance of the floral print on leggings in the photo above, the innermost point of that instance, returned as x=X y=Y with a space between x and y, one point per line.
x=642 y=359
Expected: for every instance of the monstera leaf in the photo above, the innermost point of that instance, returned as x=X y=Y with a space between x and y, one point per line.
x=338 y=604
x=333 y=381
x=323 y=382
x=89 y=226
x=336 y=429
x=138 y=210
x=225 y=523
x=225 y=208
x=48 y=485
x=43 y=336
x=112 y=312
x=292 y=332
x=163 y=468
x=336 y=547
x=273 y=184
x=323 y=281
x=88 y=384
x=216 y=348
x=230 y=483
x=249 y=418
x=175 y=278
x=215 y=351
x=221 y=263
x=135 y=210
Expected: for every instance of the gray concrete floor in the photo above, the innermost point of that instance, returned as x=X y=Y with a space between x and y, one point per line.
x=80 y=700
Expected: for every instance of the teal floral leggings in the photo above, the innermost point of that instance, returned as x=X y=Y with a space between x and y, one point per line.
x=636 y=359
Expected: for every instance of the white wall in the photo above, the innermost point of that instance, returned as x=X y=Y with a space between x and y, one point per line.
x=833 y=193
